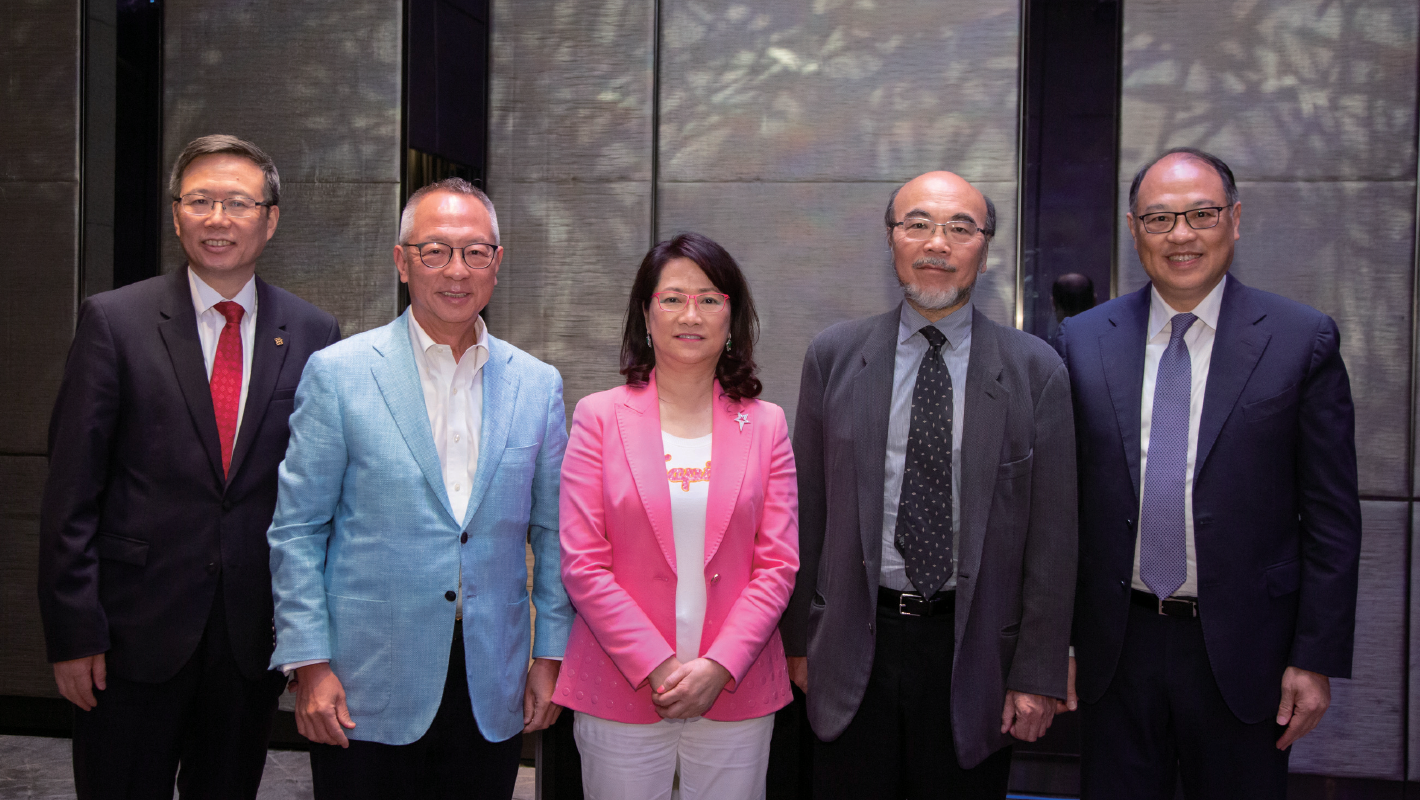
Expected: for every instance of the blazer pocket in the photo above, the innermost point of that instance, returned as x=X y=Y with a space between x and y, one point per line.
x=361 y=633
x=1276 y=404
x=283 y=394
x=1015 y=469
x=122 y=549
x=1284 y=578
x=1014 y=629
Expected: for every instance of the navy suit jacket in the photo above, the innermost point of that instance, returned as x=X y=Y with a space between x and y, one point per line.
x=1277 y=519
x=138 y=527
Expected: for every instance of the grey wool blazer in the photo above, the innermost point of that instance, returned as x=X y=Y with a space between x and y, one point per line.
x=1016 y=563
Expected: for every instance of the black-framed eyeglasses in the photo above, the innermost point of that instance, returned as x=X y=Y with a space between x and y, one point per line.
x=1199 y=219
x=198 y=205
x=957 y=231
x=437 y=255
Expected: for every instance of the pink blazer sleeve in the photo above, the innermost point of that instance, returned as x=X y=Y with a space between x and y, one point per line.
x=620 y=625
x=754 y=617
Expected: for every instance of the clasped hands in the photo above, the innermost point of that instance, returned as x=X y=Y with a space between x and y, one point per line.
x=683 y=691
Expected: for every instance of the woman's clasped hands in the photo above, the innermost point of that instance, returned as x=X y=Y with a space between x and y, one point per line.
x=684 y=691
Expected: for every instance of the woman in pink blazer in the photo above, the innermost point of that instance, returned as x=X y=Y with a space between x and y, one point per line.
x=679 y=543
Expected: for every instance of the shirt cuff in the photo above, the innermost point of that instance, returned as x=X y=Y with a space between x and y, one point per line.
x=290 y=668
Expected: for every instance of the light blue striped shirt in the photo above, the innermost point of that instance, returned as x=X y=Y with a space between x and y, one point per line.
x=911 y=347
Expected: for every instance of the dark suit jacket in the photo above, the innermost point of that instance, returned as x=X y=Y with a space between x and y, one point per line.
x=1017 y=549
x=137 y=524
x=1277 y=522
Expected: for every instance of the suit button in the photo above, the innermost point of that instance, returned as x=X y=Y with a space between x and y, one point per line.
x=463 y=538
x=451 y=595
x=1129 y=523
x=870 y=627
x=226 y=505
x=715 y=579
x=212 y=568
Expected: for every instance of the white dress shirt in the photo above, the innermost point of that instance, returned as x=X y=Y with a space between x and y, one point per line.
x=210 y=323
x=1199 y=341
x=911 y=347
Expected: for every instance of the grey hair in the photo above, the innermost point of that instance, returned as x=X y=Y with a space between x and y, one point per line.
x=453 y=185
x=219 y=143
x=890 y=217
x=1230 y=186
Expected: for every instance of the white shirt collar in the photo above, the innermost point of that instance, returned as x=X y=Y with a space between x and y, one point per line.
x=422 y=341
x=1207 y=310
x=204 y=297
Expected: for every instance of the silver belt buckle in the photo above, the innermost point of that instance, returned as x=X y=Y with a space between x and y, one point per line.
x=902 y=603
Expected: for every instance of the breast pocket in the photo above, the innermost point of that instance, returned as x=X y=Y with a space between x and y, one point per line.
x=1284 y=400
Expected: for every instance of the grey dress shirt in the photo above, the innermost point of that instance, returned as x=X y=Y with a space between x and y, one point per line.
x=911 y=347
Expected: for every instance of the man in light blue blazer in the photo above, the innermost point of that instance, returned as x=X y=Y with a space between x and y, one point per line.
x=423 y=456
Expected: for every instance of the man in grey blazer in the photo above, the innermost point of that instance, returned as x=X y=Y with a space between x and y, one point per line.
x=931 y=618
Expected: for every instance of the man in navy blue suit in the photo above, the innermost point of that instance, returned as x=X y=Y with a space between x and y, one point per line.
x=1220 y=526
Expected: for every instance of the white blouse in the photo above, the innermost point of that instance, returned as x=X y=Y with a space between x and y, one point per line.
x=688 y=470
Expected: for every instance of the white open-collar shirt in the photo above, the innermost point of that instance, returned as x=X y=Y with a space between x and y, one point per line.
x=1199 y=340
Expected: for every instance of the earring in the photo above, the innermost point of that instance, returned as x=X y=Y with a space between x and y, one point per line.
x=728 y=341
x=648 y=338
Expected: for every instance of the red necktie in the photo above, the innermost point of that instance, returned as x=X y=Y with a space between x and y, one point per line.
x=226 y=381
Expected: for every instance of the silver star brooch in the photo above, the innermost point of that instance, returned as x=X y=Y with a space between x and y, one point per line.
x=743 y=419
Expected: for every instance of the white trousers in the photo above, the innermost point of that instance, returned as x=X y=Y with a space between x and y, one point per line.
x=717 y=760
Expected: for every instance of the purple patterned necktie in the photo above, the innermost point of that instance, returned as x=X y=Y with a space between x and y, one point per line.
x=1163 y=557
x=924 y=510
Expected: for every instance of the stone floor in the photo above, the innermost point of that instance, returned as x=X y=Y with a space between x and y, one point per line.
x=37 y=768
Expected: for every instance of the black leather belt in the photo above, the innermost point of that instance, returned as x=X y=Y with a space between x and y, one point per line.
x=913 y=604
x=1186 y=607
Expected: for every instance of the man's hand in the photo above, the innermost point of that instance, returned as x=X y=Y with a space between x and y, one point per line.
x=321 y=715
x=691 y=689
x=538 y=709
x=1071 y=701
x=1305 y=698
x=799 y=672
x=78 y=678
x=1027 y=716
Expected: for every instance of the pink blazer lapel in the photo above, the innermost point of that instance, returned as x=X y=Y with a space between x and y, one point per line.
x=638 y=417
x=730 y=447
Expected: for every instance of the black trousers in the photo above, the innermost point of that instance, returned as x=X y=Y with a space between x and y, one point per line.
x=1163 y=718
x=451 y=759
x=208 y=719
x=900 y=743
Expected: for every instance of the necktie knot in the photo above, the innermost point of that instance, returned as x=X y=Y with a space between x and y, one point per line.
x=232 y=311
x=935 y=338
x=1181 y=324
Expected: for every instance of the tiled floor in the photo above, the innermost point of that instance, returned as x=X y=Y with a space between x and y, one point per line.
x=36 y=768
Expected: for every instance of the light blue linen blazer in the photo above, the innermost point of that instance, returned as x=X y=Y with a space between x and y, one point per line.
x=364 y=545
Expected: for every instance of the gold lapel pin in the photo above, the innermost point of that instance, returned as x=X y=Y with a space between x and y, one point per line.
x=280 y=341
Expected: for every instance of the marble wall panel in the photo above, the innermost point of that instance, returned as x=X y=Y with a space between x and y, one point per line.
x=1298 y=90
x=816 y=254
x=36 y=307
x=39 y=98
x=570 y=95
x=838 y=91
x=571 y=252
x=317 y=85
x=1362 y=732
x=24 y=669
x=1346 y=248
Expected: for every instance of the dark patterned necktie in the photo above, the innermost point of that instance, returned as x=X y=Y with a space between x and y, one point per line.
x=924 y=510
x=1163 y=557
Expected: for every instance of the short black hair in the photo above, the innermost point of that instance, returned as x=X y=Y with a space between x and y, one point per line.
x=1230 y=186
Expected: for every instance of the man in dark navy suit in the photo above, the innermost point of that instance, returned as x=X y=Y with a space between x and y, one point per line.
x=1220 y=526
x=170 y=423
